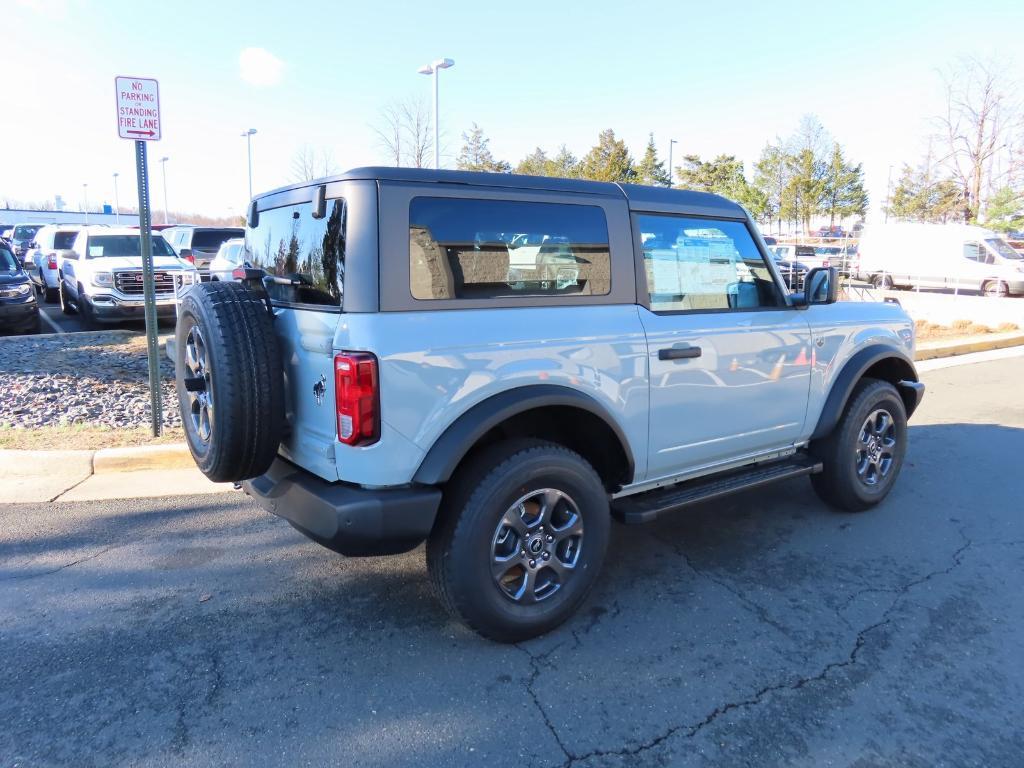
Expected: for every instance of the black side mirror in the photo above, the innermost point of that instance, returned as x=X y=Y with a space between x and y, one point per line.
x=821 y=286
x=320 y=202
x=253 y=216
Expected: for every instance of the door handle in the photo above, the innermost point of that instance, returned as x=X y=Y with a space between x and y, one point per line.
x=678 y=353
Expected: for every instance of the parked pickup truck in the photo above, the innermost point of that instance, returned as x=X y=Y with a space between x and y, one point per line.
x=101 y=276
x=392 y=370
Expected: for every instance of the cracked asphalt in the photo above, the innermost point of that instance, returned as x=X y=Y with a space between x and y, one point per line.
x=764 y=630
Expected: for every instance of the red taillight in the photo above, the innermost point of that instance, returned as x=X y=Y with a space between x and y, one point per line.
x=51 y=261
x=357 y=398
x=189 y=258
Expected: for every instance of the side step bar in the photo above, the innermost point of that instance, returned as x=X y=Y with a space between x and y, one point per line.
x=645 y=507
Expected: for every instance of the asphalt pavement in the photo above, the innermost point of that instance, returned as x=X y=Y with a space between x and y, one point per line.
x=763 y=630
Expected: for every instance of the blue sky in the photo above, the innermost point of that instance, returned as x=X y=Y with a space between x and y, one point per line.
x=717 y=77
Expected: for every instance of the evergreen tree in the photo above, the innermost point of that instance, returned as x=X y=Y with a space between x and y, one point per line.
x=476 y=154
x=564 y=164
x=844 y=194
x=806 y=187
x=650 y=170
x=1004 y=210
x=608 y=160
x=771 y=179
x=534 y=164
x=919 y=196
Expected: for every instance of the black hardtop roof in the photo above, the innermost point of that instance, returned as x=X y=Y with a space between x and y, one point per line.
x=638 y=196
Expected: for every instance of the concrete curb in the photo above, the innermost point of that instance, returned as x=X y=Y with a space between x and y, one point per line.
x=171 y=456
x=933 y=350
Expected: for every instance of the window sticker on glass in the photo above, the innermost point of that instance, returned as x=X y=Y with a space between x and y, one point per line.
x=95 y=251
x=699 y=264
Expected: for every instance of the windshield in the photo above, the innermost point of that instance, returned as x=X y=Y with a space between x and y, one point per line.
x=64 y=241
x=828 y=251
x=26 y=231
x=1003 y=248
x=210 y=239
x=124 y=245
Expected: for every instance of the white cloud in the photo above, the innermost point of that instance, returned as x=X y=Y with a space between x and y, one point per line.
x=260 y=67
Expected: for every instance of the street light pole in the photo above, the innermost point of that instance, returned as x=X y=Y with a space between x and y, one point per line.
x=888 y=195
x=434 y=69
x=248 y=147
x=670 y=143
x=85 y=204
x=163 y=168
x=117 y=203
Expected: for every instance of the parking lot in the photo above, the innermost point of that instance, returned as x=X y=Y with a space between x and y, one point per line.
x=761 y=630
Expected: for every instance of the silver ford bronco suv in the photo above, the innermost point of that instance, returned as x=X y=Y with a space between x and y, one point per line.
x=499 y=365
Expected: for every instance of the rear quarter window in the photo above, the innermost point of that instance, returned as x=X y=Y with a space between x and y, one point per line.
x=481 y=249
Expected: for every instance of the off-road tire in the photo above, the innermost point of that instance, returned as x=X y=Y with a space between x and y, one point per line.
x=62 y=295
x=245 y=378
x=459 y=549
x=838 y=484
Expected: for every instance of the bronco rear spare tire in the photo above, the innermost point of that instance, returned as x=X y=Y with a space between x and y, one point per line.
x=230 y=381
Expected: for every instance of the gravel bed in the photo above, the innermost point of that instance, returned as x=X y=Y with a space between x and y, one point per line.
x=99 y=379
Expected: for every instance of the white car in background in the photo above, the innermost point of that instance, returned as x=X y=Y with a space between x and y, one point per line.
x=230 y=255
x=42 y=261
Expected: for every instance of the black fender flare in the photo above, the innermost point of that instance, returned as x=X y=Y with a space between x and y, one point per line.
x=461 y=435
x=852 y=372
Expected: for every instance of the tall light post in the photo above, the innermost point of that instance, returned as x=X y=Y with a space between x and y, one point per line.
x=117 y=203
x=163 y=168
x=888 y=195
x=85 y=202
x=435 y=70
x=248 y=147
x=671 y=142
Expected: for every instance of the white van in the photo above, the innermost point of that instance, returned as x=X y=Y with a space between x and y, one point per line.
x=940 y=256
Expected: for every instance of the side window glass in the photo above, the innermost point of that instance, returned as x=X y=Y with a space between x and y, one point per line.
x=484 y=249
x=290 y=243
x=704 y=264
x=972 y=251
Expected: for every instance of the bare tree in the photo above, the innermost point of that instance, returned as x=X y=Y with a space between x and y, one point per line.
x=405 y=132
x=309 y=163
x=979 y=128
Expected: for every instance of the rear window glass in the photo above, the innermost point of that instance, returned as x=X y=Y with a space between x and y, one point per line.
x=481 y=249
x=289 y=242
x=103 y=246
x=210 y=239
x=25 y=231
x=63 y=241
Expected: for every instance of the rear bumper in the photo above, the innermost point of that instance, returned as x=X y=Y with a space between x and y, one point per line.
x=348 y=519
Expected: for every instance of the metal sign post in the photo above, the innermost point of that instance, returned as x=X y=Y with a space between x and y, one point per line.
x=138 y=118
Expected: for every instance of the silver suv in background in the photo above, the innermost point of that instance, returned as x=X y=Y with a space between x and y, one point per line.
x=21 y=236
x=230 y=256
x=199 y=245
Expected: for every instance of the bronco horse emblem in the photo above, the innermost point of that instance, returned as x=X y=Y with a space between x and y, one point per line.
x=320 y=389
